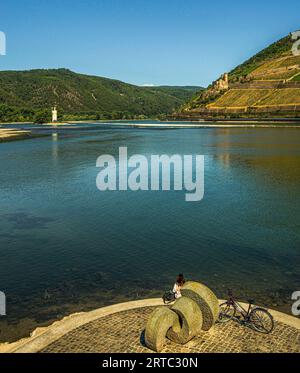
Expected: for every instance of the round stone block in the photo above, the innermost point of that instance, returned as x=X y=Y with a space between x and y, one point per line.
x=160 y=321
x=190 y=317
x=205 y=299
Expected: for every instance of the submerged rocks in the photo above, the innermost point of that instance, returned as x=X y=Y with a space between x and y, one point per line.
x=47 y=295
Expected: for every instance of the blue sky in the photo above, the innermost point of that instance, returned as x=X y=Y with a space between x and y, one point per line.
x=175 y=42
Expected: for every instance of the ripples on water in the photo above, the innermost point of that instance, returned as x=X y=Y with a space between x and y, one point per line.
x=67 y=247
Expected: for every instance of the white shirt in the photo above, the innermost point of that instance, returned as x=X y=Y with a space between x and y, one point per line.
x=176 y=291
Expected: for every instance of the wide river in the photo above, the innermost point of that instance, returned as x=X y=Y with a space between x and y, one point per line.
x=67 y=247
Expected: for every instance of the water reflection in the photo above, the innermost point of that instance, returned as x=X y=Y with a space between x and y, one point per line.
x=54 y=147
x=273 y=153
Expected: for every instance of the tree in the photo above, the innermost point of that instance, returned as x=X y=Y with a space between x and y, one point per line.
x=42 y=116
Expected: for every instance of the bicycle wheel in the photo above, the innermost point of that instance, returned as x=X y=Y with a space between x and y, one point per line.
x=261 y=320
x=168 y=297
x=226 y=312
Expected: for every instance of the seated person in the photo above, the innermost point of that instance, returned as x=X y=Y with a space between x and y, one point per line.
x=178 y=285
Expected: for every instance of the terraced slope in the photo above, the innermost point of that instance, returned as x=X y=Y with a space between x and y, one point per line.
x=243 y=98
x=268 y=84
x=279 y=69
x=240 y=98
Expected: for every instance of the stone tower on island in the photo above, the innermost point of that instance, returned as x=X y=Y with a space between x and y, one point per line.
x=54 y=114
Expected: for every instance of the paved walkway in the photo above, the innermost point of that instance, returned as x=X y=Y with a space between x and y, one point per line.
x=120 y=328
x=123 y=332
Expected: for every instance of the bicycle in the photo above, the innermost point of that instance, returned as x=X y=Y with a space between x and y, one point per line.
x=257 y=318
x=169 y=297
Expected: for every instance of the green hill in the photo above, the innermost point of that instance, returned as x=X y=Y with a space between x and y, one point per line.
x=183 y=93
x=266 y=85
x=276 y=50
x=29 y=95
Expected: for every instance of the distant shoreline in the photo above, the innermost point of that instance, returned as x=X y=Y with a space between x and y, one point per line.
x=17 y=133
x=13 y=134
x=7 y=134
x=209 y=125
x=199 y=122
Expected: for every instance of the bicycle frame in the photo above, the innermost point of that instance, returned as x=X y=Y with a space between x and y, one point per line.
x=254 y=317
x=245 y=313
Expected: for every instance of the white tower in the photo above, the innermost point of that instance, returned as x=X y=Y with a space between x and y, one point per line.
x=54 y=115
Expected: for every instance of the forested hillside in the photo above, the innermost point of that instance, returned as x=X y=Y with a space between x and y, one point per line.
x=29 y=95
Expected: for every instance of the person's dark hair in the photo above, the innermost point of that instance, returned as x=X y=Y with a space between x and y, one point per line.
x=180 y=279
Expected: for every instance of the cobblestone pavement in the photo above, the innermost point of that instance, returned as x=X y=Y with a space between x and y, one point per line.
x=123 y=332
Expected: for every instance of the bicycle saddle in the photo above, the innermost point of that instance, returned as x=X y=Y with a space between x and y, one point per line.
x=251 y=301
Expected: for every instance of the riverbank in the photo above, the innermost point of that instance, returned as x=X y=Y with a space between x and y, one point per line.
x=10 y=134
x=13 y=134
x=119 y=328
x=219 y=123
x=208 y=125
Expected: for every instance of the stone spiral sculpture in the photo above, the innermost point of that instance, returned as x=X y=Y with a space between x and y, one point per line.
x=161 y=320
x=206 y=301
x=196 y=310
x=190 y=321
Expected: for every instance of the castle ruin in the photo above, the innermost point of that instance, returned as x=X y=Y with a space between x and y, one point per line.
x=222 y=83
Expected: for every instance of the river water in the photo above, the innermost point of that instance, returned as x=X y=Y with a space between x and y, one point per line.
x=67 y=247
